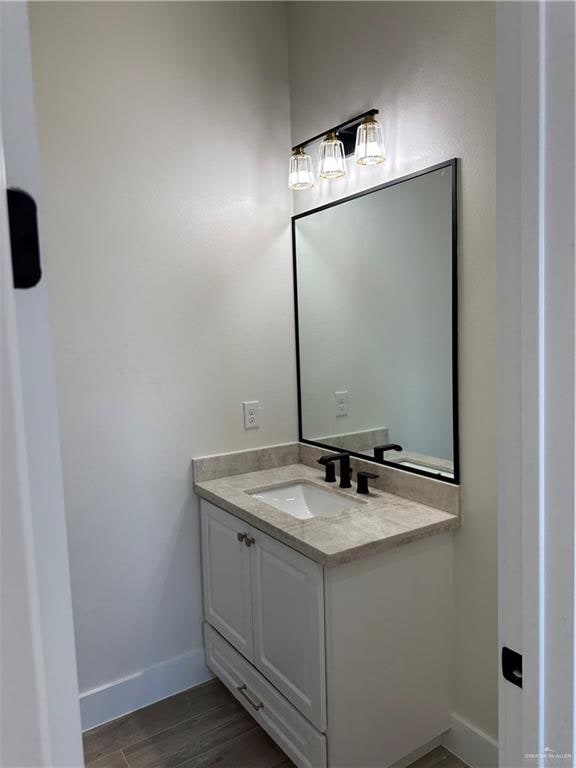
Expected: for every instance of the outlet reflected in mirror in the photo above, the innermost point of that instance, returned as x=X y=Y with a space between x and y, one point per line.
x=376 y=317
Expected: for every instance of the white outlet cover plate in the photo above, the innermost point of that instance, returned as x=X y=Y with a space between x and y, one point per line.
x=341 y=403
x=251 y=414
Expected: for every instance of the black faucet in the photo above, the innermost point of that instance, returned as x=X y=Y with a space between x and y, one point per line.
x=345 y=471
x=363 y=478
x=379 y=450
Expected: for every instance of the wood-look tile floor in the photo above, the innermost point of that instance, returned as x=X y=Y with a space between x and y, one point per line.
x=204 y=727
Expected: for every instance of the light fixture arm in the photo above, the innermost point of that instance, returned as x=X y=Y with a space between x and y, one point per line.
x=346 y=132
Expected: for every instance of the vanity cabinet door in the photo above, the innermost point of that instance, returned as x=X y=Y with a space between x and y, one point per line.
x=226 y=577
x=288 y=613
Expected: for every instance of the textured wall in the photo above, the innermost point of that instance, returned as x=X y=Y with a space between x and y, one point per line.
x=429 y=68
x=163 y=137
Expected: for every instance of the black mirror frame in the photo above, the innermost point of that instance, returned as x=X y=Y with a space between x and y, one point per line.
x=454 y=165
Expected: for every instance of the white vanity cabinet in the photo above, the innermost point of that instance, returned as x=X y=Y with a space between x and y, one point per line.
x=345 y=667
x=267 y=600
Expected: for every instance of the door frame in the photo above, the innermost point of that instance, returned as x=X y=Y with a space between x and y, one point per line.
x=40 y=722
x=536 y=363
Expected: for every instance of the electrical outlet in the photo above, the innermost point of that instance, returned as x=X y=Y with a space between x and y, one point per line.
x=251 y=414
x=341 y=403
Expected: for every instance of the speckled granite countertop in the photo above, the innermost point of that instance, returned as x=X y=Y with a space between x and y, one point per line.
x=370 y=525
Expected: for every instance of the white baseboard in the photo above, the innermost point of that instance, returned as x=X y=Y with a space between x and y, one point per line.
x=417 y=754
x=470 y=744
x=120 y=697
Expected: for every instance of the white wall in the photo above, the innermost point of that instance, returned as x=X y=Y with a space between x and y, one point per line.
x=394 y=357
x=163 y=139
x=39 y=682
x=164 y=130
x=429 y=68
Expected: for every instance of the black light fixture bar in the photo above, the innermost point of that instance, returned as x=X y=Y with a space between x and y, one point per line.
x=346 y=132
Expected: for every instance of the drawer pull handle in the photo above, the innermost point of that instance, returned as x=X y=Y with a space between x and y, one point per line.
x=248 y=540
x=241 y=536
x=242 y=689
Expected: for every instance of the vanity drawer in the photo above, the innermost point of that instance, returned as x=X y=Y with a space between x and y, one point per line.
x=303 y=744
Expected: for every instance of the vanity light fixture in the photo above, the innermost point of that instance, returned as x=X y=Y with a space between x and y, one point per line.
x=301 y=173
x=361 y=136
x=331 y=159
x=369 y=148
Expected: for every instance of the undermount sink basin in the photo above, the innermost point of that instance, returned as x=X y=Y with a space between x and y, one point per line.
x=303 y=500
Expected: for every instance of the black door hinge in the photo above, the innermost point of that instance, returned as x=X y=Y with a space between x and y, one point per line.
x=512 y=666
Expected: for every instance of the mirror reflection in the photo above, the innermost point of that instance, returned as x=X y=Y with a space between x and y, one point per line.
x=374 y=283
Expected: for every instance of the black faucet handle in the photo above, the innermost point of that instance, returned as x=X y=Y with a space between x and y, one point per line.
x=345 y=471
x=363 y=478
x=379 y=450
x=330 y=466
x=329 y=457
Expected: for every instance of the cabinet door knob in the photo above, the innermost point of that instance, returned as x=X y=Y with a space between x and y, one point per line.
x=248 y=540
x=241 y=536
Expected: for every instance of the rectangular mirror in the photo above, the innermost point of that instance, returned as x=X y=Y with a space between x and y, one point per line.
x=376 y=323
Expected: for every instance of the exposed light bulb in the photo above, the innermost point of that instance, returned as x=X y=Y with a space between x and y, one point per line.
x=301 y=173
x=331 y=160
x=369 y=142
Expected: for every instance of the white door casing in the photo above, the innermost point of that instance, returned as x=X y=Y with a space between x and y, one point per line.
x=536 y=305
x=40 y=715
x=23 y=708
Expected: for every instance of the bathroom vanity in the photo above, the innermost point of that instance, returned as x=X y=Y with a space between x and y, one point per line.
x=332 y=630
x=328 y=610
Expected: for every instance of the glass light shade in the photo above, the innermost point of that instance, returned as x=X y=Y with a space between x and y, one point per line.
x=369 y=143
x=301 y=173
x=331 y=160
